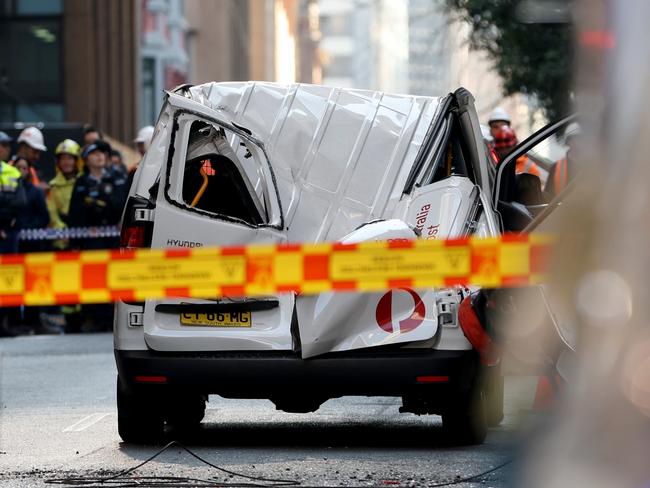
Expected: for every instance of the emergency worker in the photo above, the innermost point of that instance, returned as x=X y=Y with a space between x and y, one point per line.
x=68 y=169
x=5 y=146
x=143 y=139
x=97 y=199
x=33 y=216
x=564 y=169
x=498 y=118
x=12 y=203
x=142 y=142
x=30 y=146
x=505 y=141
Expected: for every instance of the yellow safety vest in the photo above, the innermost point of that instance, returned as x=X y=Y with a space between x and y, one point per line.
x=9 y=177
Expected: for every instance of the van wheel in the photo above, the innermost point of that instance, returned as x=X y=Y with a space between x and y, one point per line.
x=138 y=420
x=494 y=398
x=186 y=412
x=465 y=421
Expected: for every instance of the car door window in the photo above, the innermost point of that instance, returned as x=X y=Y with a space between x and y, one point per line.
x=218 y=170
x=214 y=177
x=532 y=175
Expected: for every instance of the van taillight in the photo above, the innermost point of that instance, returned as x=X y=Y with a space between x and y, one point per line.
x=137 y=225
x=133 y=236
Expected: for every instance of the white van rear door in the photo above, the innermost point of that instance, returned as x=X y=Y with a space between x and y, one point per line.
x=217 y=188
x=345 y=321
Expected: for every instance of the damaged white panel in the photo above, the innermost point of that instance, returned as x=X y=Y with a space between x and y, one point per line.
x=334 y=151
x=332 y=322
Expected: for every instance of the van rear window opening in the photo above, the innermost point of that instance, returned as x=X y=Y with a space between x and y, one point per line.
x=216 y=175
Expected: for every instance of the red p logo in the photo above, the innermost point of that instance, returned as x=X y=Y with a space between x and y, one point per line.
x=384 y=313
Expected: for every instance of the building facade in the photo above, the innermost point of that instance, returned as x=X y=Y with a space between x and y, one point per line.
x=69 y=61
x=164 y=59
x=364 y=44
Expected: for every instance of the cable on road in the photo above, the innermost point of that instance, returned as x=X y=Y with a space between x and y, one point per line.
x=473 y=477
x=122 y=480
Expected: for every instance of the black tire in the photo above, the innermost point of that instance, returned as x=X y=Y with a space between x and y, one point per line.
x=139 y=420
x=186 y=411
x=494 y=398
x=465 y=422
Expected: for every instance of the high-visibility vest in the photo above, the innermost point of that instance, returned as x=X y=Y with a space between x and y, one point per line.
x=560 y=175
x=9 y=177
x=525 y=165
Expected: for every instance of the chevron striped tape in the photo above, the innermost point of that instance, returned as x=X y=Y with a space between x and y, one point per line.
x=139 y=274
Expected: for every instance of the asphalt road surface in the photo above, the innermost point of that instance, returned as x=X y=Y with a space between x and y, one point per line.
x=58 y=420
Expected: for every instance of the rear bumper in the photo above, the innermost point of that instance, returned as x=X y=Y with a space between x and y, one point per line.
x=281 y=374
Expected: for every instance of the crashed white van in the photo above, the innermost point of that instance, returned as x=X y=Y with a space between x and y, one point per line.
x=243 y=163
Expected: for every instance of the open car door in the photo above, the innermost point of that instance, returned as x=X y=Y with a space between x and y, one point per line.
x=538 y=332
x=521 y=199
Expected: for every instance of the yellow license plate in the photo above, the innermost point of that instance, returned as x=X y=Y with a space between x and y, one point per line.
x=224 y=319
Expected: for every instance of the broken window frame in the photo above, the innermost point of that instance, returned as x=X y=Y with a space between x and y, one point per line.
x=177 y=158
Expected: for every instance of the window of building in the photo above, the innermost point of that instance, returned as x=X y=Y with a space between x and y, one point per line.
x=340 y=67
x=31 y=80
x=337 y=25
x=150 y=98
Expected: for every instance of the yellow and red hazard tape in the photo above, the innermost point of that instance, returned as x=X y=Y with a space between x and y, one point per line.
x=139 y=274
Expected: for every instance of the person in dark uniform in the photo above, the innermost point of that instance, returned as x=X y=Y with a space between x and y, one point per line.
x=98 y=198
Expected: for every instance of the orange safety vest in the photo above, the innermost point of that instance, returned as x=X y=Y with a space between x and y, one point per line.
x=525 y=165
x=35 y=179
x=561 y=175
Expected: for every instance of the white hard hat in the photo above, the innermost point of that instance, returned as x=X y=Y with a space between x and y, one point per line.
x=144 y=135
x=33 y=138
x=499 y=113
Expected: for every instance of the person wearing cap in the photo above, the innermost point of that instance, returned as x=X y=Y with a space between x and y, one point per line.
x=142 y=142
x=143 y=139
x=505 y=141
x=118 y=170
x=5 y=146
x=98 y=197
x=30 y=146
x=564 y=169
x=498 y=118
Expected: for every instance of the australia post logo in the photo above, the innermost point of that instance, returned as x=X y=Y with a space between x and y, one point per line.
x=400 y=310
x=427 y=230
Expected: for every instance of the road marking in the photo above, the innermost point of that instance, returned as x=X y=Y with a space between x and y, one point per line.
x=86 y=422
